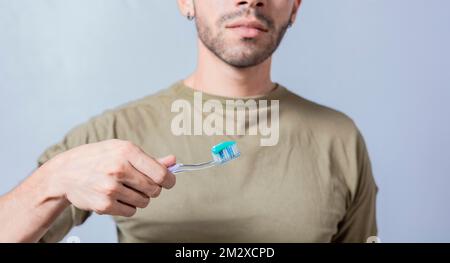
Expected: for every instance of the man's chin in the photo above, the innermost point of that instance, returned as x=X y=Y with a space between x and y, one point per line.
x=243 y=62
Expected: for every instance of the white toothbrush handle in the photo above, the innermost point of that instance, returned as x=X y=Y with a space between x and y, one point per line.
x=179 y=167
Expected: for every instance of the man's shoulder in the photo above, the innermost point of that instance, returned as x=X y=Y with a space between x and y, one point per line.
x=319 y=118
x=106 y=124
x=152 y=101
x=155 y=104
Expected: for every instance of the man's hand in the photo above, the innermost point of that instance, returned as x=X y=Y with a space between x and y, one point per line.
x=111 y=177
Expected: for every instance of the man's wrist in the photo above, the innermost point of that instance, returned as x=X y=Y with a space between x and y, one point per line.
x=48 y=187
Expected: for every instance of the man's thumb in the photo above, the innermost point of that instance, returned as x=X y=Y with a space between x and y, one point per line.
x=168 y=160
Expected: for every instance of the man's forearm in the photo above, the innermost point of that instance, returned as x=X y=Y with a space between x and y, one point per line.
x=27 y=212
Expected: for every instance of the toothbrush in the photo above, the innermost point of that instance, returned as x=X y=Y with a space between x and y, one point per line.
x=221 y=153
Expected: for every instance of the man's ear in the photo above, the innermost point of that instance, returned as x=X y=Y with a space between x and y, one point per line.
x=297 y=4
x=186 y=7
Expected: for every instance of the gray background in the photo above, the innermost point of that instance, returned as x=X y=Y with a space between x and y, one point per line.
x=383 y=62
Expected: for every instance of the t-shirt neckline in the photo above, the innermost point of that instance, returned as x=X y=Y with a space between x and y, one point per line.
x=186 y=91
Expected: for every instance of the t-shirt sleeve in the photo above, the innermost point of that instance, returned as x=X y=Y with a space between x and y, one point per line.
x=359 y=222
x=95 y=130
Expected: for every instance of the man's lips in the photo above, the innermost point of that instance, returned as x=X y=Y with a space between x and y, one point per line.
x=248 y=28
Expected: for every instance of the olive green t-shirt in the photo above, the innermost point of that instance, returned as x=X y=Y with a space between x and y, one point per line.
x=314 y=185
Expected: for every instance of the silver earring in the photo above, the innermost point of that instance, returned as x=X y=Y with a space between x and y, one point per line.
x=189 y=17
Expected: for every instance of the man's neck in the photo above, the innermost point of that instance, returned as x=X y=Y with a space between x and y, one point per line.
x=216 y=77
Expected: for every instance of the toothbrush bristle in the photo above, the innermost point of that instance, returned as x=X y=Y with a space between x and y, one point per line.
x=228 y=151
